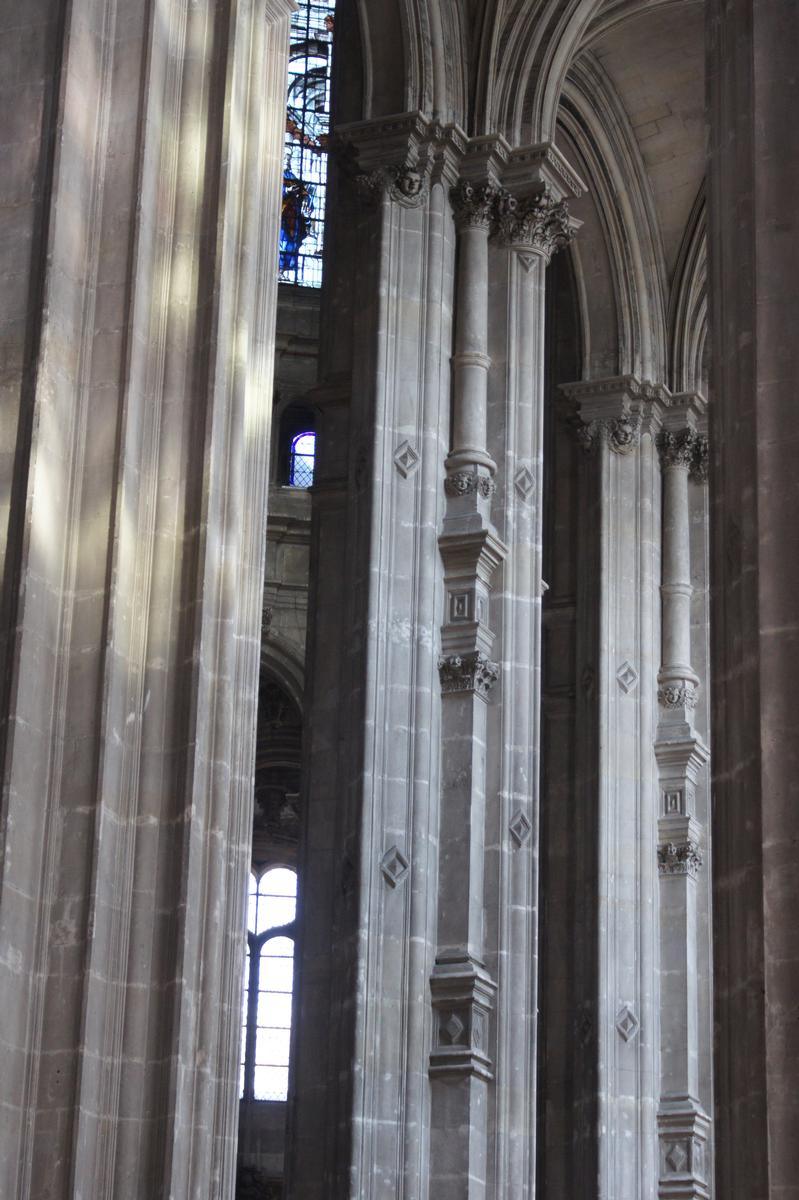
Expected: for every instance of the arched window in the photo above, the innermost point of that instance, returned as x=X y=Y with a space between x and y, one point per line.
x=302 y=459
x=295 y=442
x=269 y=977
x=306 y=144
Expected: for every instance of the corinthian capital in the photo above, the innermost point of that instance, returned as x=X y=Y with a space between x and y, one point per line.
x=684 y=448
x=473 y=204
x=538 y=222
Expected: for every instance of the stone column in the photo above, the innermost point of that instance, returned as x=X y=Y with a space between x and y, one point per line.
x=683 y=1124
x=361 y=1119
x=753 y=286
x=531 y=227
x=132 y=598
x=618 y=420
x=461 y=988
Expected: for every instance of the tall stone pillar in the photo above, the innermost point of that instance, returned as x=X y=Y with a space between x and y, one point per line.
x=532 y=224
x=462 y=989
x=683 y=1123
x=619 y=419
x=132 y=599
x=753 y=256
x=361 y=1117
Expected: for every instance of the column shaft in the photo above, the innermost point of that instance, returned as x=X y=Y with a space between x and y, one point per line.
x=136 y=560
x=676 y=587
x=470 y=363
x=753 y=286
x=684 y=1125
x=516 y=427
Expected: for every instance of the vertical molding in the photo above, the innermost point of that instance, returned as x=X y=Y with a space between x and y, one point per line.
x=144 y=561
x=619 y=419
x=684 y=1124
x=369 y=913
x=532 y=224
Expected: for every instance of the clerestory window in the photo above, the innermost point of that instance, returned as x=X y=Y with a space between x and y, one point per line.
x=268 y=984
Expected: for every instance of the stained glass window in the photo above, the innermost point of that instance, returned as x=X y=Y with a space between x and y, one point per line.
x=268 y=985
x=303 y=457
x=306 y=145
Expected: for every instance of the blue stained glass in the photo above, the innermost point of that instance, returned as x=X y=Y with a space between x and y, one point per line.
x=306 y=144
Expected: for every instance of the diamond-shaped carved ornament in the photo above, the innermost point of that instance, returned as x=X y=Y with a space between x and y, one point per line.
x=627 y=1023
x=406 y=459
x=676 y=1157
x=394 y=866
x=454 y=1028
x=627 y=677
x=524 y=482
x=520 y=828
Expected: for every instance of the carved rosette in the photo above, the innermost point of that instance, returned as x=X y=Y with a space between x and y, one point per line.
x=474 y=204
x=471 y=672
x=465 y=483
x=677 y=695
x=539 y=223
x=681 y=858
x=686 y=450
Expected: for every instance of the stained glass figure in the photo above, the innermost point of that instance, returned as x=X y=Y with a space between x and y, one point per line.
x=303 y=458
x=306 y=144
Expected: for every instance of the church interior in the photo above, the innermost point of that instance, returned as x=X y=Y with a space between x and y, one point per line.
x=398 y=600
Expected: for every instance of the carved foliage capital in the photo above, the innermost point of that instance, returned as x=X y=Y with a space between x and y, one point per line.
x=681 y=858
x=685 y=449
x=539 y=222
x=471 y=672
x=474 y=204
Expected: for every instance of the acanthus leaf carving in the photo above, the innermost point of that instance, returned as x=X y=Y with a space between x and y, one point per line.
x=684 y=448
x=474 y=204
x=539 y=222
x=472 y=672
x=681 y=858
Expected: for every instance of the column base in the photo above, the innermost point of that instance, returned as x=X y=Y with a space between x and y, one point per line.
x=684 y=1135
x=463 y=993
